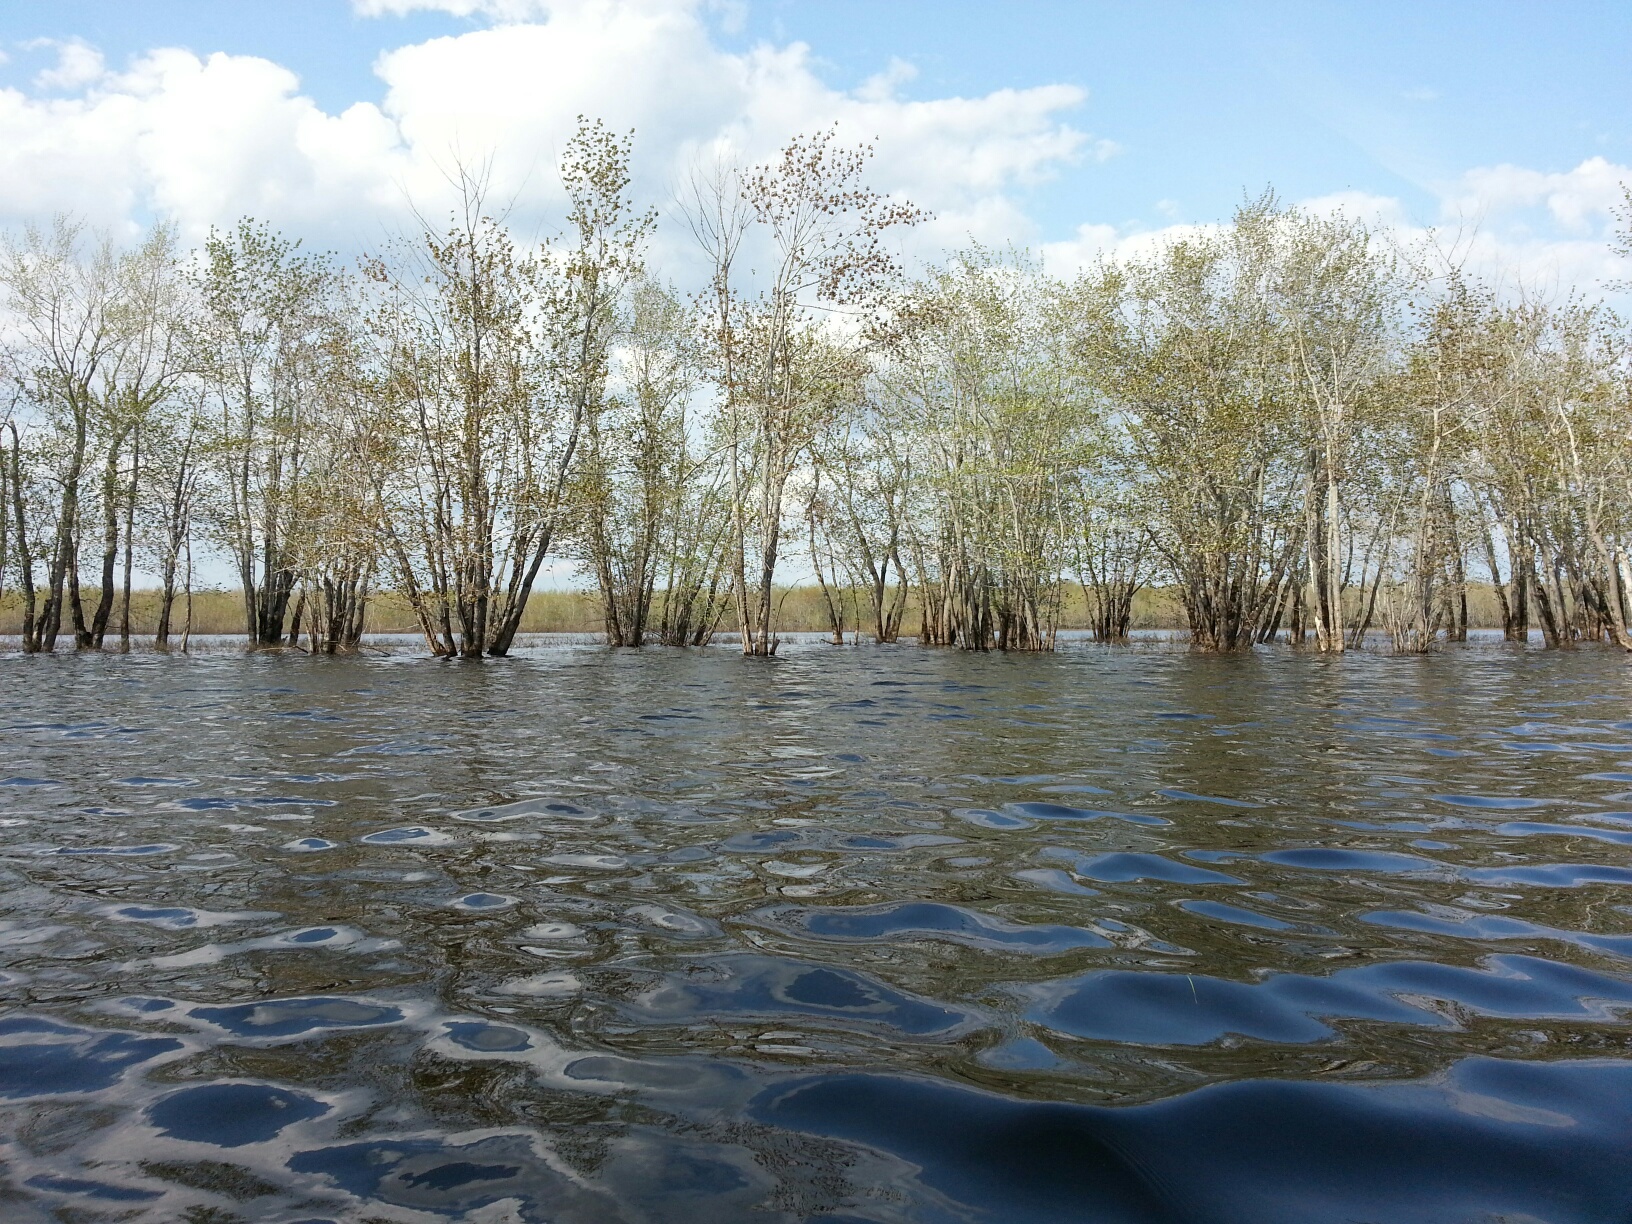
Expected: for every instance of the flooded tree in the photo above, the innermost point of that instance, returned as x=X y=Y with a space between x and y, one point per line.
x=861 y=468
x=986 y=396
x=63 y=298
x=497 y=359
x=1186 y=344
x=258 y=344
x=1334 y=301
x=1283 y=424
x=781 y=366
x=96 y=347
x=639 y=456
x=168 y=493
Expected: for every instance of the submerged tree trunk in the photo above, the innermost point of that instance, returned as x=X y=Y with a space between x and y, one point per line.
x=25 y=553
x=130 y=546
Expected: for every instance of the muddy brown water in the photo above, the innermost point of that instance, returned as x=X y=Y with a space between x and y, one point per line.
x=860 y=934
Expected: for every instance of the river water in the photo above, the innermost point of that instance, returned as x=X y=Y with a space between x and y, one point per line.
x=860 y=934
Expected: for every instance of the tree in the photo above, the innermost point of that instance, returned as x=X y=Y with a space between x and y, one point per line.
x=64 y=300
x=259 y=341
x=1186 y=346
x=638 y=459
x=496 y=362
x=781 y=363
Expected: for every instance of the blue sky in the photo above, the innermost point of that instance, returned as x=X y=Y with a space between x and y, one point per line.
x=1514 y=116
x=1208 y=99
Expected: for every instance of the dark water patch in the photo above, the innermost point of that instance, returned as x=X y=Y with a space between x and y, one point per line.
x=1122 y=867
x=988 y=819
x=306 y=845
x=1475 y=1146
x=770 y=841
x=1192 y=797
x=279 y=1018
x=175 y=917
x=40 y=1057
x=181 y=917
x=1526 y=828
x=1492 y=803
x=453 y=1180
x=85 y=1187
x=1060 y=811
x=415 y=835
x=1550 y=875
x=1194 y=1009
x=1316 y=858
x=746 y=985
x=483 y=1037
x=1221 y=912
x=312 y=935
x=231 y=1115
x=484 y=902
x=928 y=920
x=556 y=809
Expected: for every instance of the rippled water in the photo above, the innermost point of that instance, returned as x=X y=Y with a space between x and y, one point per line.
x=856 y=935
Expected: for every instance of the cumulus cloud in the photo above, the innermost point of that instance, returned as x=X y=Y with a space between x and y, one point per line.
x=78 y=64
x=1520 y=229
x=497 y=10
x=207 y=139
x=1578 y=200
x=202 y=140
x=652 y=66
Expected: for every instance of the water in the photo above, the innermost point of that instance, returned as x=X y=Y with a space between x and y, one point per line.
x=856 y=935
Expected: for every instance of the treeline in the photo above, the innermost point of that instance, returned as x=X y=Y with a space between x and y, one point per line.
x=1297 y=429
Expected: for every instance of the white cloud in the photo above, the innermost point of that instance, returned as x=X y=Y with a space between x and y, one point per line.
x=209 y=139
x=497 y=10
x=205 y=141
x=652 y=67
x=882 y=86
x=78 y=64
x=1543 y=232
x=1095 y=241
x=1580 y=200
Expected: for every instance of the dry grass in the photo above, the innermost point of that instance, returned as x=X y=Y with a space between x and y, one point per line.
x=801 y=610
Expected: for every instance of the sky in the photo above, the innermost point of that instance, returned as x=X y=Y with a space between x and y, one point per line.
x=1073 y=128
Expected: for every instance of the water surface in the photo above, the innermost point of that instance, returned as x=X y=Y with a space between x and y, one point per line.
x=874 y=934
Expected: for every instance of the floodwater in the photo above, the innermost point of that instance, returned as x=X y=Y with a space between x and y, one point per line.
x=860 y=934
